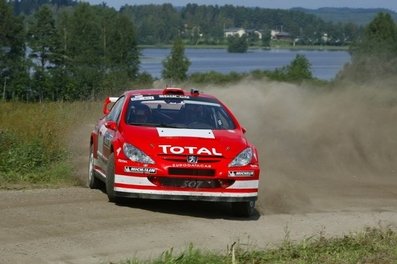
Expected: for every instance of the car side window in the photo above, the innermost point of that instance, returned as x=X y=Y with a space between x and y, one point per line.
x=114 y=113
x=223 y=120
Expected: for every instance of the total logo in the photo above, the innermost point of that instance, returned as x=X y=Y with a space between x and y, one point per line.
x=168 y=149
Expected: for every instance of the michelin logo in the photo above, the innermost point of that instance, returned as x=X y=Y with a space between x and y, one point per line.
x=139 y=170
x=240 y=173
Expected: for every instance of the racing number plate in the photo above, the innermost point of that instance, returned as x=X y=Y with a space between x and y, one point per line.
x=192 y=184
x=189 y=183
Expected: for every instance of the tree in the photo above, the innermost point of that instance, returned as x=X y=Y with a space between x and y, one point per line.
x=176 y=65
x=154 y=23
x=85 y=51
x=380 y=38
x=101 y=50
x=62 y=76
x=122 y=49
x=44 y=41
x=266 y=38
x=299 y=69
x=13 y=65
x=374 y=56
x=237 y=44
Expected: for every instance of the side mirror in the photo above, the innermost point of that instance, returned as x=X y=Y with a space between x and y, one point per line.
x=106 y=108
x=107 y=104
x=244 y=130
x=111 y=125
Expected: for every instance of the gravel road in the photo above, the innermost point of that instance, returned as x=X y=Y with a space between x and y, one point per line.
x=78 y=225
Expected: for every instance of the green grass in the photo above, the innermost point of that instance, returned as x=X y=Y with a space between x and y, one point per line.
x=33 y=140
x=369 y=246
x=212 y=77
x=58 y=174
x=373 y=245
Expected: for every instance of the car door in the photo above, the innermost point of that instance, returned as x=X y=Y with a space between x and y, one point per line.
x=106 y=133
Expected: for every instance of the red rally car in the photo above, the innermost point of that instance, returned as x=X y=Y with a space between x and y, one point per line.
x=173 y=144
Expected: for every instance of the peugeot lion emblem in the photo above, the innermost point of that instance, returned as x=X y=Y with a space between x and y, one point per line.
x=192 y=159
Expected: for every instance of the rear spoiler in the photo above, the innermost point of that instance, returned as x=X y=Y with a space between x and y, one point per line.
x=108 y=101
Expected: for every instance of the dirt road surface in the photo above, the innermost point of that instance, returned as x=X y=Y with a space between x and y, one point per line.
x=329 y=166
x=78 y=225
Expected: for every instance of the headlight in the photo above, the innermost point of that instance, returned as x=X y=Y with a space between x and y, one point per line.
x=242 y=159
x=136 y=154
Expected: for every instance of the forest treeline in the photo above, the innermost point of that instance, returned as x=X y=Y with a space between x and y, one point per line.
x=71 y=54
x=64 y=50
x=205 y=24
x=359 y=16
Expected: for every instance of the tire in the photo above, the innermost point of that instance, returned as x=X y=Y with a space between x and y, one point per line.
x=243 y=209
x=92 y=181
x=110 y=180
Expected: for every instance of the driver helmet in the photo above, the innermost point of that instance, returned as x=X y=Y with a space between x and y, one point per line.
x=142 y=113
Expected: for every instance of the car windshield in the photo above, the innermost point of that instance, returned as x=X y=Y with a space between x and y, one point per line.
x=177 y=112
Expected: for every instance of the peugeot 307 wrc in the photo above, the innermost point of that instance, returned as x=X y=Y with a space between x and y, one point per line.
x=176 y=145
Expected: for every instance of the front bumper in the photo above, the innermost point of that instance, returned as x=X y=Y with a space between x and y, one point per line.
x=141 y=187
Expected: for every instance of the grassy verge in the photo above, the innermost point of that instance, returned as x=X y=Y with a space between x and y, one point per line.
x=218 y=78
x=33 y=140
x=373 y=245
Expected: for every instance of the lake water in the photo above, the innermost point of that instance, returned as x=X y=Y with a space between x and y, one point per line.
x=325 y=64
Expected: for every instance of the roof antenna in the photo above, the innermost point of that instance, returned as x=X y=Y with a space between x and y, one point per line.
x=194 y=91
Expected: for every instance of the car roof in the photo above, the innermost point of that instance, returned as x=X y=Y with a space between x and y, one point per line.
x=169 y=91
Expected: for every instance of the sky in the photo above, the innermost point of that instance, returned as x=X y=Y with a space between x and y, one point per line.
x=283 y=4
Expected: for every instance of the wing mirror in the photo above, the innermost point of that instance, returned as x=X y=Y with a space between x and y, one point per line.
x=244 y=130
x=107 y=105
x=111 y=125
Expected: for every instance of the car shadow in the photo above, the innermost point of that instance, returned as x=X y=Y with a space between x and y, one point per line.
x=208 y=210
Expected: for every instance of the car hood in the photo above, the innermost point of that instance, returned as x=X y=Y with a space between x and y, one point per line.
x=174 y=141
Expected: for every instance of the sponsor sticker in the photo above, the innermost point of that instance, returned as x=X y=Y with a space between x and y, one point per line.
x=241 y=173
x=168 y=149
x=191 y=165
x=139 y=170
x=174 y=96
x=141 y=97
x=181 y=132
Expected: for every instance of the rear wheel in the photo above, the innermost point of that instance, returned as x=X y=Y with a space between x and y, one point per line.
x=92 y=181
x=243 y=209
x=110 y=180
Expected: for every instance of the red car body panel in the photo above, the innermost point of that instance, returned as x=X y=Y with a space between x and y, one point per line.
x=206 y=176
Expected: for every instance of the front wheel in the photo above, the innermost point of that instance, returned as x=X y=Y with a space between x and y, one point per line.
x=110 y=180
x=92 y=181
x=243 y=209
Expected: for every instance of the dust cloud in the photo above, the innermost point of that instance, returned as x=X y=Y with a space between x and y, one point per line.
x=78 y=140
x=320 y=149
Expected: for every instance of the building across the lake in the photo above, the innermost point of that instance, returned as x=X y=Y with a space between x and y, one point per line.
x=241 y=32
x=280 y=35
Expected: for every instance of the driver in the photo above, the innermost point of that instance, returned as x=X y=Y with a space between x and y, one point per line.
x=195 y=113
x=142 y=113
